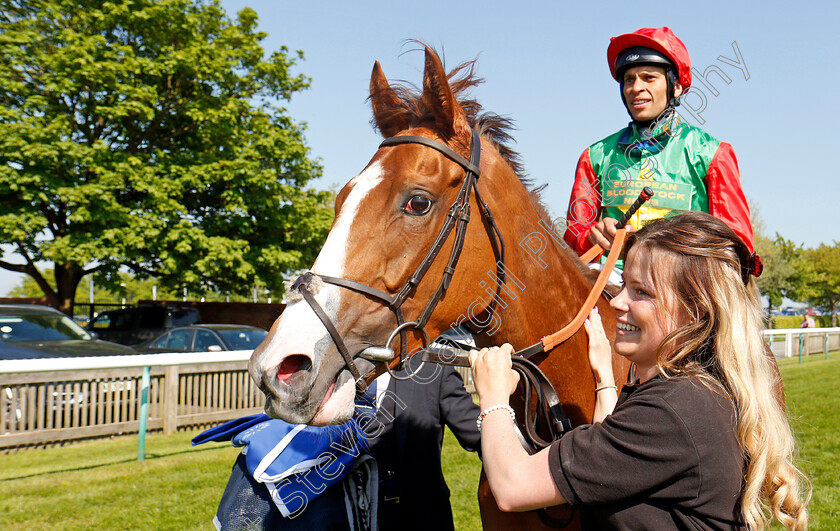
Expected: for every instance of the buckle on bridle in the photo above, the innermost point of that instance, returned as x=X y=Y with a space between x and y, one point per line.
x=386 y=354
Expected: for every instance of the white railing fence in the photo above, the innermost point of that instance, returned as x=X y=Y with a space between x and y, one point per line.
x=55 y=400
x=790 y=342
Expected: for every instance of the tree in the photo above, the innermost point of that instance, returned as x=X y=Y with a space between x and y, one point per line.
x=824 y=284
x=148 y=135
x=129 y=288
x=781 y=275
x=784 y=270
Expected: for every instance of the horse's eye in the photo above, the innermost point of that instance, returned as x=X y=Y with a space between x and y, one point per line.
x=418 y=205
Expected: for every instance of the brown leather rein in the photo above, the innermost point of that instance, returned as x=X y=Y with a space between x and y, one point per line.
x=549 y=412
x=551 y=341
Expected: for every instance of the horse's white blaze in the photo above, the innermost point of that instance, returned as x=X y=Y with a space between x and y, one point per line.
x=333 y=255
x=299 y=329
x=297 y=332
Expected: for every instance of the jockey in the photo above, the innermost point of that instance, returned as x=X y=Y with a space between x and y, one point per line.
x=686 y=167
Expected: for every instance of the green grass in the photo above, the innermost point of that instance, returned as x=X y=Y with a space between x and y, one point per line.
x=462 y=470
x=811 y=388
x=101 y=485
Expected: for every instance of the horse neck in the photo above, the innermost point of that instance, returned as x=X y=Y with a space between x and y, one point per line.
x=545 y=285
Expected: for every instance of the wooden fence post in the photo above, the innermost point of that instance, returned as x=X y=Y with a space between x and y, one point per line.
x=170 y=396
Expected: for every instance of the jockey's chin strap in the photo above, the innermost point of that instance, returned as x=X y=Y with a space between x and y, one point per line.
x=457 y=218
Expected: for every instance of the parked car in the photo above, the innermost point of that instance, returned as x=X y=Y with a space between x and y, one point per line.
x=205 y=338
x=30 y=331
x=132 y=326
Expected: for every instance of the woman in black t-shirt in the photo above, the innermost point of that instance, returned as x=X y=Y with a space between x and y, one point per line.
x=699 y=440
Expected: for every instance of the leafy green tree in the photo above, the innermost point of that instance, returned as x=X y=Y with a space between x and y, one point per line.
x=824 y=284
x=784 y=270
x=780 y=275
x=150 y=135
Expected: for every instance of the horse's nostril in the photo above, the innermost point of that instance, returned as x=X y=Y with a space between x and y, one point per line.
x=291 y=365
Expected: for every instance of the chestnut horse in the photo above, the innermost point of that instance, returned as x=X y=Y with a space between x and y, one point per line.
x=387 y=219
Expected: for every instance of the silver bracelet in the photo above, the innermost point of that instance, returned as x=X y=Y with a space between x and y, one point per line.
x=491 y=409
x=606 y=387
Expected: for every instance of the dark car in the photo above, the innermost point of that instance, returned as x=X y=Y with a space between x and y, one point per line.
x=29 y=331
x=206 y=338
x=132 y=326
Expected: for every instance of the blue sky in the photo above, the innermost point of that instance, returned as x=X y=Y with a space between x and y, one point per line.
x=545 y=67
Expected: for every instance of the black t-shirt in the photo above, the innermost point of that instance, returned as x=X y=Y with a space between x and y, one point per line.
x=666 y=458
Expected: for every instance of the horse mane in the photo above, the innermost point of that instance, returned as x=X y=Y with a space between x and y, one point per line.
x=493 y=127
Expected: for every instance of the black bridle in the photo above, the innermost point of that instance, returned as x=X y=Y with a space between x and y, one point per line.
x=457 y=218
x=549 y=412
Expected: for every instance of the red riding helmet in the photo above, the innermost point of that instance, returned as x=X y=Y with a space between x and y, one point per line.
x=661 y=40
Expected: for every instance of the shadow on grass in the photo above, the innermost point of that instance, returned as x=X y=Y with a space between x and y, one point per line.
x=149 y=456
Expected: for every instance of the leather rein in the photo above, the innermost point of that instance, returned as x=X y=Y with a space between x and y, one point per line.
x=535 y=384
x=549 y=411
x=456 y=219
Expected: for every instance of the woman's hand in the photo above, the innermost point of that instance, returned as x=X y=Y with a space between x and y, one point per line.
x=600 y=360
x=493 y=375
x=600 y=352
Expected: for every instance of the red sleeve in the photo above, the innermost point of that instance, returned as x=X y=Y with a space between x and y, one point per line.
x=726 y=197
x=584 y=206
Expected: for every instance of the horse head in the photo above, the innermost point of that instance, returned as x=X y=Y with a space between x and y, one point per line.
x=375 y=270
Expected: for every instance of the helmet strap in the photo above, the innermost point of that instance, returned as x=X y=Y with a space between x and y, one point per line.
x=671 y=78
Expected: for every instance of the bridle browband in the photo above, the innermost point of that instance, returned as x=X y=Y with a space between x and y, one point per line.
x=457 y=218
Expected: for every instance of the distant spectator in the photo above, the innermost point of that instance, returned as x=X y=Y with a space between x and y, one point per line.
x=807 y=320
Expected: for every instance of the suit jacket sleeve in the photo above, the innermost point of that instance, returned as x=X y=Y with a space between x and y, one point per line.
x=584 y=205
x=726 y=197
x=458 y=410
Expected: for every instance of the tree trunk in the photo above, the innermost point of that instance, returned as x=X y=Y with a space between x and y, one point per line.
x=67 y=277
x=769 y=319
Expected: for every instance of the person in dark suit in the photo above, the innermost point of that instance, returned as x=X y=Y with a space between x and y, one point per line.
x=405 y=436
x=406 y=442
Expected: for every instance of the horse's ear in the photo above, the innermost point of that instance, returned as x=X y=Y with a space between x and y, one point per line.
x=385 y=102
x=450 y=117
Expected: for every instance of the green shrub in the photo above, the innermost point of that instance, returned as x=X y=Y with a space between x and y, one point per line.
x=793 y=321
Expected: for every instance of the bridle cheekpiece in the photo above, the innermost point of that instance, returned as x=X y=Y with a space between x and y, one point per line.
x=457 y=218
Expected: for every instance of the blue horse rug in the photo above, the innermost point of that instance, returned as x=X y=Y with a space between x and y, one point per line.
x=295 y=462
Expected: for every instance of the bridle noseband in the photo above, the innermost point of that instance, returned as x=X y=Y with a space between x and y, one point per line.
x=457 y=218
